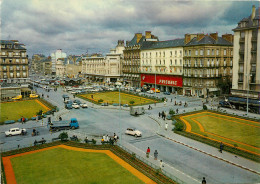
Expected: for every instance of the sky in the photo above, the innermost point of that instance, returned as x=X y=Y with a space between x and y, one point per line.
x=94 y=26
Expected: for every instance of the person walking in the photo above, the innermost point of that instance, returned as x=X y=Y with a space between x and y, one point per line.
x=177 y=110
x=159 y=114
x=155 y=154
x=203 y=181
x=148 y=152
x=166 y=126
x=221 y=147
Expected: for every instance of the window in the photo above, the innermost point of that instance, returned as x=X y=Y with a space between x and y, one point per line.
x=208 y=62
x=160 y=62
x=208 y=52
x=212 y=52
x=156 y=54
x=171 y=62
x=164 y=62
x=3 y=60
x=10 y=60
x=163 y=54
x=231 y=62
x=225 y=63
x=196 y=52
x=23 y=67
x=201 y=52
x=231 y=52
x=176 y=53
x=180 y=53
x=11 y=68
x=17 y=60
x=18 y=74
x=11 y=74
x=23 y=60
x=4 y=67
x=225 y=52
x=3 y=53
x=23 y=54
x=171 y=53
x=189 y=52
x=217 y=52
x=180 y=62
x=185 y=52
x=24 y=74
x=17 y=68
x=9 y=54
x=175 y=61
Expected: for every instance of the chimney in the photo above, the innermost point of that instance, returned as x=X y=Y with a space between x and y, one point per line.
x=120 y=43
x=228 y=37
x=253 y=12
x=189 y=37
x=138 y=37
x=127 y=42
x=148 y=34
x=200 y=36
x=214 y=36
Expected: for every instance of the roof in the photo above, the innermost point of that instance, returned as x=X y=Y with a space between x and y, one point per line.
x=249 y=21
x=18 y=45
x=162 y=44
x=207 y=40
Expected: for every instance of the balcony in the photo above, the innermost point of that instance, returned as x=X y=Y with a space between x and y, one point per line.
x=253 y=50
x=241 y=61
x=195 y=65
x=240 y=80
x=241 y=40
x=241 y=51
x=254 y=38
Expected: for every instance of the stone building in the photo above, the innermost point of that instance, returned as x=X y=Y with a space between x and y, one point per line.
x=208 y=61
x=13 y=62
x=246 y=69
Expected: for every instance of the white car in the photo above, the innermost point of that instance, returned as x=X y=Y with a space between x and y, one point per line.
x=134 y=132
x=75 y=106
x=15 y=131
x=150 y=91
x=84 y=105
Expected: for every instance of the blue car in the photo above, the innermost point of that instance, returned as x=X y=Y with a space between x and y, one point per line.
x=167 y=93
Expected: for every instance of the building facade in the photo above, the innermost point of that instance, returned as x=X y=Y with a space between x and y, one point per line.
x=162 y=65
x=14 y=62
x=246 y=69
x=131 y=64
x=58 y=54
x=208 y=61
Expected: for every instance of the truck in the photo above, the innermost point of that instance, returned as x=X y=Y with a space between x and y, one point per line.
x=64 y=125
x=241 y=104
x=15 y=131
x=134 y=111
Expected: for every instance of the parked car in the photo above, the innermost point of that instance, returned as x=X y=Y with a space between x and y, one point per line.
x=75 y=106
x=150 y=91
x=167 y=93
x=77 y=101
x=104 y=104
x=15 y=131
x=84 y=105
x=33 y=96
x=68 y=106
x=134 y=132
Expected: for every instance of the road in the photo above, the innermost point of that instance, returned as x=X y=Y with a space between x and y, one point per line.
x=181 y=161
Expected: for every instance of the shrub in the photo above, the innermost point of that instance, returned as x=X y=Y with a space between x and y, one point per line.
x=94 y=141
x=171 y=112
x=132 y=102
x=100 y=100
x=63 y=136
x=179 y=126
x=205 y=107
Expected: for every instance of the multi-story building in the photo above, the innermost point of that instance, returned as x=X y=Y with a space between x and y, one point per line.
x=13 y=62
x=246 y=69
x=36 y=63
x=207 y=63
x=162 y=65
x=104 y=68
x=58 y=54
x=131 y=64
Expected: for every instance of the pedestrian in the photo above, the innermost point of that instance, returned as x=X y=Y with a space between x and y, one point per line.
x=177 y=110
x=18 y=146
x=60 y=118
x=221 y=147
x=148 y=152
x=49 y=120
x=166 y=126
x=107 y=138
x=159 y=114
x=155 y=154
x=204 y=181
x=37 y=118
x=171 y=99
x=161 y=165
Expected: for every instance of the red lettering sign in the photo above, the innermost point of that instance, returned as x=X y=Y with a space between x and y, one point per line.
x=165 y=80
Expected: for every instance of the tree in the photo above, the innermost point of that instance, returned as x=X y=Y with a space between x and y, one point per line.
x=225 y=85
x=64 y=136
x=132 y=102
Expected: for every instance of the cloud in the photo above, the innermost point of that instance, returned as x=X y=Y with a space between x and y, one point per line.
x=96 y=25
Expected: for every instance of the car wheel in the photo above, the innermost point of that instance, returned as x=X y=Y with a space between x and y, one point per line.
x=135 y=135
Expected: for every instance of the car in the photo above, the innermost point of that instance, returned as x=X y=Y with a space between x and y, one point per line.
x=150 y=91
x=68 y=106
x=104 y=104
x=65 y=96
x=18 y=97
x=77 y=101
x=15 y=131
x=75 y=106
x=138 y=90
x=134 y=132
x=33 y=96
x=84 y=105
x=167 y=93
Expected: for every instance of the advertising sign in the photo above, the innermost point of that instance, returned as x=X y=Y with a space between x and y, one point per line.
x=165 y=80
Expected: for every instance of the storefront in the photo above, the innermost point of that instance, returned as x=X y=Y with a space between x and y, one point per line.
x=169 y=83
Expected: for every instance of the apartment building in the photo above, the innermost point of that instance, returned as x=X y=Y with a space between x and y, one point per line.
x=99 y=68
x=162 y=65
x=208 y=61
x=13 y=62
x=131 y=64
x=246 y=69
x=58 y=54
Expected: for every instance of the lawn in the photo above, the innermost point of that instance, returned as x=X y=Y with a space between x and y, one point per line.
x=61 y=165
x=113 y=97
x=230 y=130
x=15 y=110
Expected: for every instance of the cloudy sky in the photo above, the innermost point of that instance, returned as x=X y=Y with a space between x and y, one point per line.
x=80 y=26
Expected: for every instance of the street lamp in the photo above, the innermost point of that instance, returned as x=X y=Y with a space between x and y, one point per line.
x=248 y=78
x=119 y=84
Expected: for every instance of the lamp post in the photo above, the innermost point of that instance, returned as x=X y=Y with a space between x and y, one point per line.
x=120 y=132
x=248 y=78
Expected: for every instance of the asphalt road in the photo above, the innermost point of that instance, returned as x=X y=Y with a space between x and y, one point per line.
x=190 y=165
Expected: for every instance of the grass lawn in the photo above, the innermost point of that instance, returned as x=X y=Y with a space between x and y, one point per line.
x=244 y=133
x=15 y=110
x=113 y=97
x=60 y=165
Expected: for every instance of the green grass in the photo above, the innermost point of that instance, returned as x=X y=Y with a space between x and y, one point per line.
x=245 y=134
x=67 y=166
x=15 y=110
x=113 y=97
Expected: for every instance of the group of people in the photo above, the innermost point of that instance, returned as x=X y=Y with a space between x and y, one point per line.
x=155 y=156
x=162 y=114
